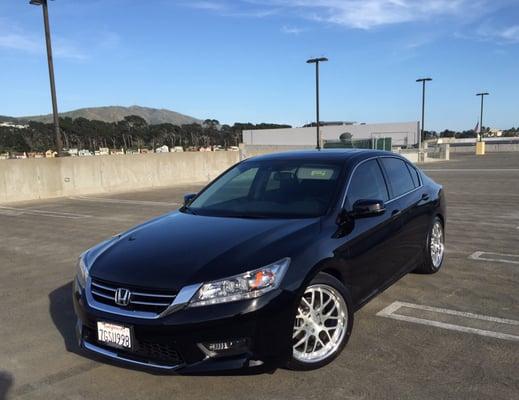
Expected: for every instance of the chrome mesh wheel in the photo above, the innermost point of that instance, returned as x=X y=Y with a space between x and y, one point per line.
x=437 y=246
x=320 y=325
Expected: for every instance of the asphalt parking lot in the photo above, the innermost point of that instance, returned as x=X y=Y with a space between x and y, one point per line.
x=453 y=335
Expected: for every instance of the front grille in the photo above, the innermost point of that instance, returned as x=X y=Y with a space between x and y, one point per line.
x=140 y=299
x=164 y=352
x=143 y=350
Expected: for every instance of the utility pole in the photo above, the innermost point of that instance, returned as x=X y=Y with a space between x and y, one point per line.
x=422 y=130
x=59 y=142
x=481 y=115
x=316 y=61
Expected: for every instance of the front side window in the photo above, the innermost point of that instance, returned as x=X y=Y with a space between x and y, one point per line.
x=275 y=189
x=399 y=176
x=367 y=183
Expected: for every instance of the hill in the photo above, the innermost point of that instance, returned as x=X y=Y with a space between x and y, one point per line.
x=117 y=113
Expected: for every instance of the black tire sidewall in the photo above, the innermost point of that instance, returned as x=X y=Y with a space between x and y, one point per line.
x=326 y=279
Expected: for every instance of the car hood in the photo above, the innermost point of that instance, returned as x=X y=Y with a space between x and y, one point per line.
x=180 y=249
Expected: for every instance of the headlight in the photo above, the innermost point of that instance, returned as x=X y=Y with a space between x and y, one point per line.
x=245 y=286
x=82 y=271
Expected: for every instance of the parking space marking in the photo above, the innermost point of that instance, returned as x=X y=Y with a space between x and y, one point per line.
x=471 y=170
x=474 y=222
x=16 y=212
x=390 y=312
x=50 y=380
x=494 y=257
x=124 y=201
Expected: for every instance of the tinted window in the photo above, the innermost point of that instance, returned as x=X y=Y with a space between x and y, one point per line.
x=414 y=175
x=276 y=189
x=367 y=183
x=399 y=176
x=238 y=186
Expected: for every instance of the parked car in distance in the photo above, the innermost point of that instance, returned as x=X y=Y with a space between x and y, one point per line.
x=264 y=267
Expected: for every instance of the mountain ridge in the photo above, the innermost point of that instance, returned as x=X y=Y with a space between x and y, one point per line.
x=152 y=116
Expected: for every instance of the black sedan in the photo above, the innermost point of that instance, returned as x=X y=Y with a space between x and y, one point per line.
x=264 y=267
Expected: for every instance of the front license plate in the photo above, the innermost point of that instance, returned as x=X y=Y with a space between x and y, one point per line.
x=114 y=335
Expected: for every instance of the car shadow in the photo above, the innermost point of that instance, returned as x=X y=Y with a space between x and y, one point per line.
x=62 y=313
x=6 y=381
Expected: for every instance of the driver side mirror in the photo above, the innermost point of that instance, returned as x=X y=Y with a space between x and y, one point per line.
x=367 y=208
x=188 y=198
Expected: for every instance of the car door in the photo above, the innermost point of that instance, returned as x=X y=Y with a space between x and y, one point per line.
x=406 y=201
x=366 y=252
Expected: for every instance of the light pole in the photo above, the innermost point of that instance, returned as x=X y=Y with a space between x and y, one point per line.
x=421 y=138
x=43 y=3
x=481 y=115
x=316 y=61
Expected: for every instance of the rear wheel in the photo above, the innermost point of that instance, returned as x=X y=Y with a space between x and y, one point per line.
x=435 y=248
x=322 y=325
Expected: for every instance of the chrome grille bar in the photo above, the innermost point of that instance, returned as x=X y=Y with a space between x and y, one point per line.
x=149 y=302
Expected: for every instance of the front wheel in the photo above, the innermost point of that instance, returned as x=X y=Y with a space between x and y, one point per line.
x=434 y=250
x=322 y=324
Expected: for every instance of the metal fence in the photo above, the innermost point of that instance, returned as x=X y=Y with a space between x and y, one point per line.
x=374 y=143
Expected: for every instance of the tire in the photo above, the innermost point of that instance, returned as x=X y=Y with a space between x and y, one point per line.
x=329 y=326
x=434 y=251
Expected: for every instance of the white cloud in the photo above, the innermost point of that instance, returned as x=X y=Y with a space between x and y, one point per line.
x=367 y=14
x=18 y=42
x=208 y=5
x=232 y=8
x=356 y=14
x=492 y=32
x=291 y=30
x=510 y=34
x=13 y=38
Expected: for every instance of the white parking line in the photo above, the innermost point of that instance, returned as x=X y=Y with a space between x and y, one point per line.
x=475 y=222
x=472 y=170
x=124 y=201
x=390 y=312
x=16 y=212
x=494 y=257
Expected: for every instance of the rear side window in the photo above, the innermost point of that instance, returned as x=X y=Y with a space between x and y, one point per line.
x=399 y=176
x=367 y=183
x=414 y=175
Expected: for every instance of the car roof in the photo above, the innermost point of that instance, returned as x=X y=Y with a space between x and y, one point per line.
x=331 y=155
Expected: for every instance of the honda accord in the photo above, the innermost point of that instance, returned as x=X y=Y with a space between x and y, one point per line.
x=264 y=267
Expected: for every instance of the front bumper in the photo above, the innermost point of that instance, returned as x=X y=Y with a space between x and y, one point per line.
x=174 y=343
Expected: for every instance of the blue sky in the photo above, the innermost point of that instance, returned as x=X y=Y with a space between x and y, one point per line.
x=244 y=60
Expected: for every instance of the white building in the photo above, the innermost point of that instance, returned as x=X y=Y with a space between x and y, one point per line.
x=162 y=149
x=13 y=125
x=403 y=134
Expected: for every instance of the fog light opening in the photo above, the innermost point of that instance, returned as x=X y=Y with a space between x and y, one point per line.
x=224 y=348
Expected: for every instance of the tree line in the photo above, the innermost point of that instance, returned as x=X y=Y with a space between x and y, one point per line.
x=133 y=132
x=447 y=133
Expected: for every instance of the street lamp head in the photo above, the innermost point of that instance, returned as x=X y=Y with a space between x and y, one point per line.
x=482 y=94
x=424 y=80
x=36 y=2
x=316 y=60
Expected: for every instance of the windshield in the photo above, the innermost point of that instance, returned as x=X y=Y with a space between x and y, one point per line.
x=275 y=189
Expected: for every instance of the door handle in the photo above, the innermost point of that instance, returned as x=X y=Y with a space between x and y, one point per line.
x=425 y=196
x=395 y=213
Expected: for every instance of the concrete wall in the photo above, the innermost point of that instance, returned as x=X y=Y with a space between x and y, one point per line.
x=43 y=178
x=489 y=148
x=31 y=179
x=256 y=150
x=402 y=133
